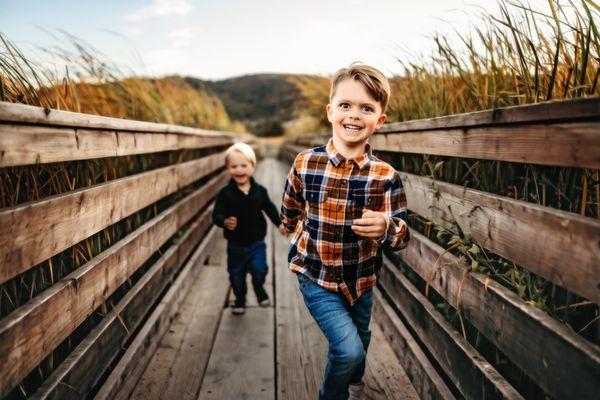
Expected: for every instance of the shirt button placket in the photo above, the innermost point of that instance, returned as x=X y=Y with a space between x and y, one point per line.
x=336 y=267
x=338 y=264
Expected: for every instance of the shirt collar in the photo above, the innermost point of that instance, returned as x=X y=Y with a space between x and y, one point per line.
x=234 y=185
x=336 y=157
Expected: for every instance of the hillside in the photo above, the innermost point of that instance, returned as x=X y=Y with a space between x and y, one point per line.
x=263 y=102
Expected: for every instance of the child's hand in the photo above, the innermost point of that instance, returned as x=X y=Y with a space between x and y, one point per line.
x=371 y=224
x=283 y=231
x=230 y=223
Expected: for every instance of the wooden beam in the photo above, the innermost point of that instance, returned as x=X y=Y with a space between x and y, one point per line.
x=534 y=237
x=565 y=145
x=475 y=378
x=299 y=341
x=519 y=330
x=24 y=114
x=123 y=377
x=177 y=367
x=23 y=144
x=425 y=379
x=582 y=109
x=81 y=371
x=385 y=378
x=232 y=371
x=35 y=231
x=32 y=331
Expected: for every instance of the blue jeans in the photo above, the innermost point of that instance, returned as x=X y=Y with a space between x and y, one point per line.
x=346 y=328
x=247 y=259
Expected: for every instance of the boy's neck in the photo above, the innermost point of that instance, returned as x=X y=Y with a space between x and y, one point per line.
x=245 y=187
x=349 y=152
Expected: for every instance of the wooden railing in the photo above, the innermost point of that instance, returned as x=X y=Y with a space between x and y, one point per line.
x=32 y=232
x=559 y=246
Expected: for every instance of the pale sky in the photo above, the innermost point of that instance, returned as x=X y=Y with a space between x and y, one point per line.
x=216 y=39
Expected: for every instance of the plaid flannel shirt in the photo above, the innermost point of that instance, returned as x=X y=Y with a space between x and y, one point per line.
x=323 y=194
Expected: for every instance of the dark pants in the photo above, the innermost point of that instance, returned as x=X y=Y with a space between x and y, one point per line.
x=247 y=259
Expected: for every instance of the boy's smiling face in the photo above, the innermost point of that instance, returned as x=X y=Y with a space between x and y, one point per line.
x=354 y=115
x=240 y=169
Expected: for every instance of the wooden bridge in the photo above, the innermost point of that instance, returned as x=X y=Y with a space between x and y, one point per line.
x=146 y=315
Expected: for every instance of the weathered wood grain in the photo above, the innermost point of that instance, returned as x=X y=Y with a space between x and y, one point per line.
x=81 y=371
x=31 y=332
x=565 y=145
x=33 y=232
x=422 y=374
x=124 y=376
x=178 y=365
x=241 y=363
x=32 y=144
x=301 y=346
x=535 y=237
x=582 y=109
x=21 y=113
x=385 y=379
x=475 y=378
x=522 y=332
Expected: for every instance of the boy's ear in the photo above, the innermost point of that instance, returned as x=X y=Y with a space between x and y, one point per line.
x=328 y=108
x=380 y=121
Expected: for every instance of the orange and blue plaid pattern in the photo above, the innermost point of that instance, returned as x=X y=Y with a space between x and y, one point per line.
x=323 y=194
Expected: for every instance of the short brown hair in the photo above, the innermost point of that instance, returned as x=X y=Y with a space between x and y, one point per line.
x=374 y=81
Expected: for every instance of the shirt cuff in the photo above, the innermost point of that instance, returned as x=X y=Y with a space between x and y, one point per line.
x=380 y=241
x=392 y=233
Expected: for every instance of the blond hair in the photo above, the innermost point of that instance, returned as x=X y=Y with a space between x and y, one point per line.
x=373 y=80
x=242 y=148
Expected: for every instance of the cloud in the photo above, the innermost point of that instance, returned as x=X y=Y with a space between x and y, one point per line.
x=166 y=61
x=182 y=37
x=161 y=8
x=132 y=30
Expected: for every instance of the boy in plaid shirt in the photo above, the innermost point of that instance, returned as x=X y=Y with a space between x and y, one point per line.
x=344 y=206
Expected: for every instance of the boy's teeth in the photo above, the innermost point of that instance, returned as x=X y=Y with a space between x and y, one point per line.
x=352 y=127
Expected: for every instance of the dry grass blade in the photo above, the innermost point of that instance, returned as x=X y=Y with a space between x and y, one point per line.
x=435 y=267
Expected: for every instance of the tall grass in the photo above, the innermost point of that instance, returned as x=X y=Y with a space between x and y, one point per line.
x=520 y=56
x=91 y=84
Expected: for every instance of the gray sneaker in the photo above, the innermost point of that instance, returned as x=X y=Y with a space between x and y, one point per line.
x=265 y=303
x=356 y=391
x=238 y=310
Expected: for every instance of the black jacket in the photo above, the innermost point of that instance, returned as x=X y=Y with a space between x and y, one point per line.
x=247 y=208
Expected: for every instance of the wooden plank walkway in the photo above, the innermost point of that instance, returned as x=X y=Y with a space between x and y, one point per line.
x=269 y=353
